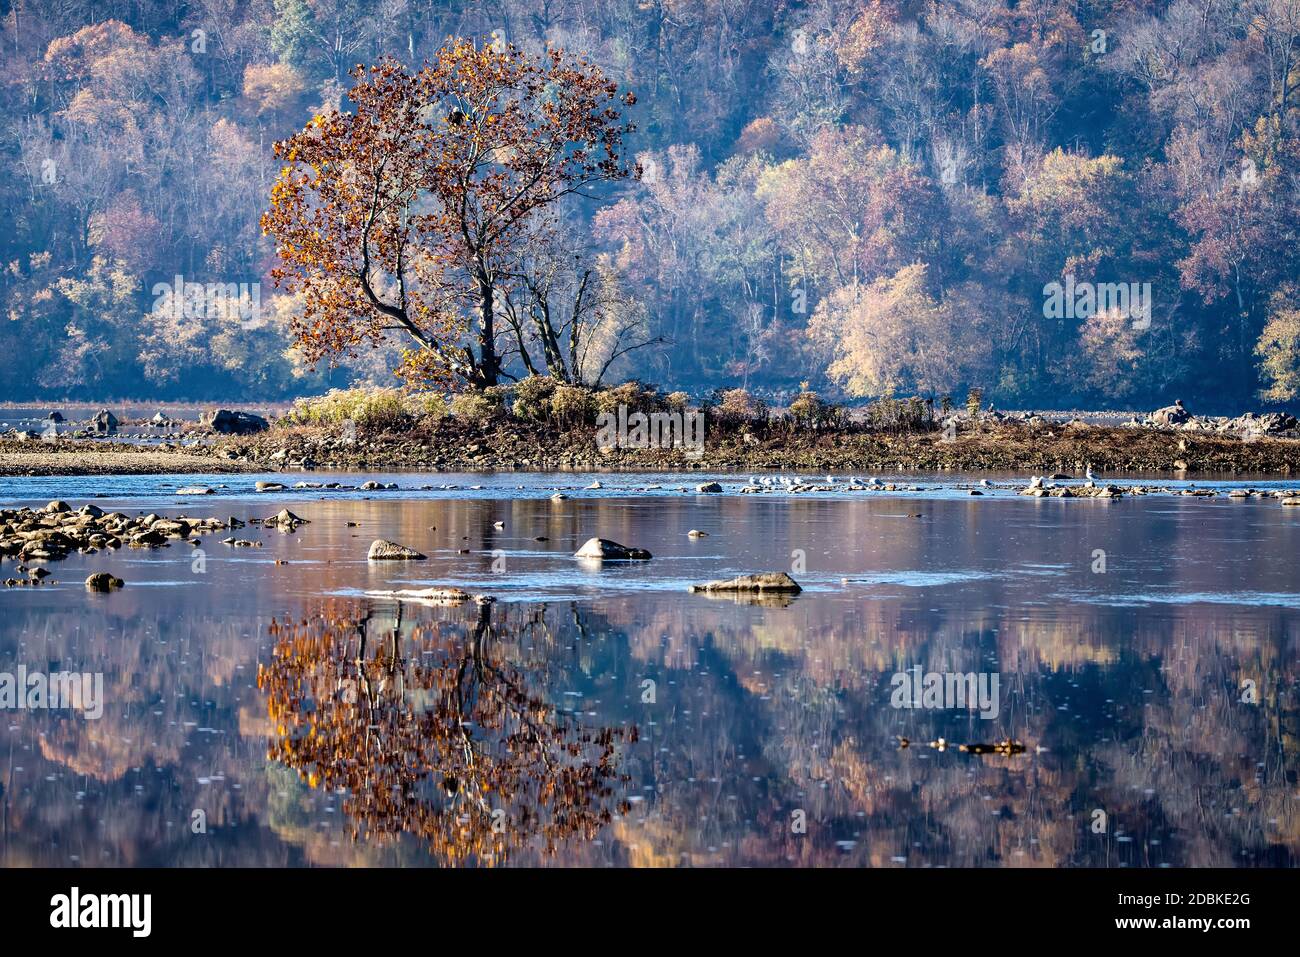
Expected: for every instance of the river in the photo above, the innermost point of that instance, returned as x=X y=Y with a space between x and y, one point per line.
x=281 y=705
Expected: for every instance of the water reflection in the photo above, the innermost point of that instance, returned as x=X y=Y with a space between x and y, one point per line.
x=430 y=730
x=1127 y=701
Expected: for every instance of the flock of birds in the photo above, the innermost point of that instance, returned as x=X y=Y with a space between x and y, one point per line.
x=790 y=481
x=1036 y=481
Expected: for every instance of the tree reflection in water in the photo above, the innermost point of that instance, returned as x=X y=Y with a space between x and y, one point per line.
x=431 y=731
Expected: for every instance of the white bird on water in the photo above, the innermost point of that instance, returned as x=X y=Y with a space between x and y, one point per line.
x=1090 y=477
x=1035 y=481
x=830 y=480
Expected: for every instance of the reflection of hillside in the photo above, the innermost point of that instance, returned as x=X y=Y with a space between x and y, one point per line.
x=821 y=737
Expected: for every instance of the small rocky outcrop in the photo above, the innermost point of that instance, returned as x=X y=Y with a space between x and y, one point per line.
x=285 y=519
x=103 y=581
x=763 y=582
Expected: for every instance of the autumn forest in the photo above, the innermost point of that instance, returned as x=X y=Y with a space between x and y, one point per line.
x=1061 y=203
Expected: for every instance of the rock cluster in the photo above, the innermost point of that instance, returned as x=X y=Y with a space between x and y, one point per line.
x=53 y=532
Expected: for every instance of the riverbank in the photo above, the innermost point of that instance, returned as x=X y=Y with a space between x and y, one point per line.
x=452 y=445
x=1002 y=446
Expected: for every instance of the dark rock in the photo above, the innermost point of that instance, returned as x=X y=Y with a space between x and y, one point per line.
x=104 y=423
x=103 y=581
x=233 y=423
x=606 y=550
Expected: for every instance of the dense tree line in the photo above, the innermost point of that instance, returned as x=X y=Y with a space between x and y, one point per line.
x=875 y=197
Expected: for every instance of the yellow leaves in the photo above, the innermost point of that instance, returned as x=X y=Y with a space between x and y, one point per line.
x=550 y=779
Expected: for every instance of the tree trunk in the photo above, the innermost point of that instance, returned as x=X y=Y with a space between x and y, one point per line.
x=487 y=335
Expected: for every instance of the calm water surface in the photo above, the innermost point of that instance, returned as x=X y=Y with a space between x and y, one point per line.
x=602 y=715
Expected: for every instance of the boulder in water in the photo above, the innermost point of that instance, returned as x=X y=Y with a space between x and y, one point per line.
x=103 y=581
x=606 y=550
x=383 y=550
x=762 y=582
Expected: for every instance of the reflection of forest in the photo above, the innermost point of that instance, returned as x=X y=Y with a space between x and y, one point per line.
x=757 y=712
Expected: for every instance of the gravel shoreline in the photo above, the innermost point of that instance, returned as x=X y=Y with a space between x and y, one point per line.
x=69 y=458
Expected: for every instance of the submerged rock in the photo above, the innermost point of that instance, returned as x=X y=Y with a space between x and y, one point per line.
x=383 y=550
x=441 y=596
x=762 y=582
x=606 y=550
x=709 y=487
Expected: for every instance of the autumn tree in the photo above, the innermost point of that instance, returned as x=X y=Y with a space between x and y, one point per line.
x=896 y=334
x=851 y=210
x=408 y=212
x=1279 y=347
